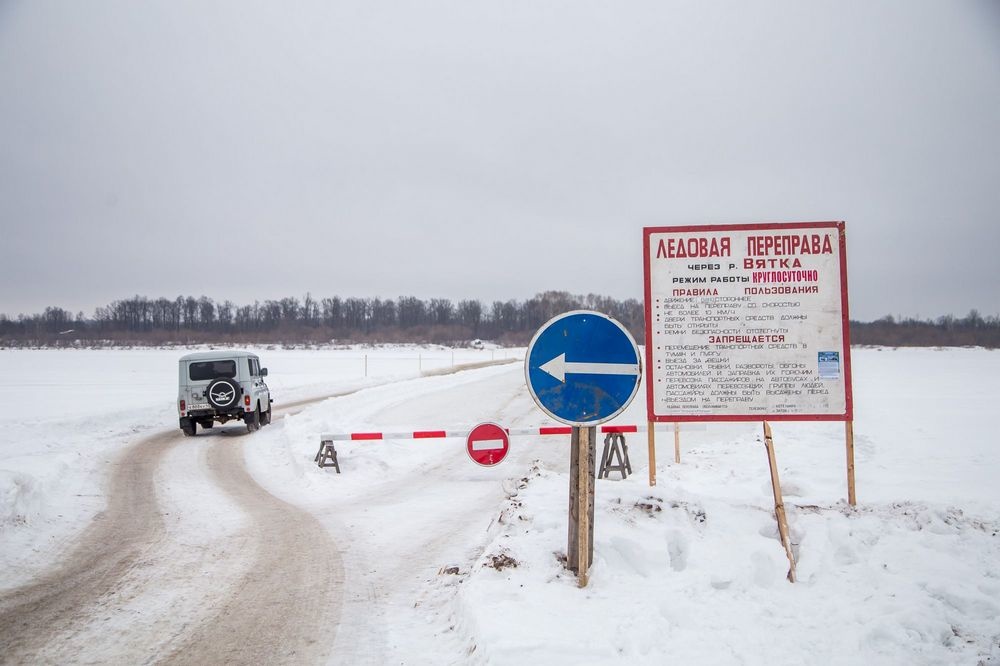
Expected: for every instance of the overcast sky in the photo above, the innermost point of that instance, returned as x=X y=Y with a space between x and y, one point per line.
x=488 y=150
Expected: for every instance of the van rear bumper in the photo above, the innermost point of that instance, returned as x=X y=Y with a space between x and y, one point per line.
x=195 y=415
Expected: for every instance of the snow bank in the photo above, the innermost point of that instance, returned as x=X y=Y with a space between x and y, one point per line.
x=681 y=574
x=692 y=570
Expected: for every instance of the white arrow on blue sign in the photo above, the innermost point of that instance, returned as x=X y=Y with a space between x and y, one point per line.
x=582 y=368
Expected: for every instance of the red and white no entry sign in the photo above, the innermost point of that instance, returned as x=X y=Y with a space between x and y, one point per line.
x=488 y=444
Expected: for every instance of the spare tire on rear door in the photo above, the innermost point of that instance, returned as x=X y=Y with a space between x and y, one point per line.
x=223 y=393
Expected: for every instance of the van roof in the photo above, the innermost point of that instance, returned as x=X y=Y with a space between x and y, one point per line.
x=217 y=354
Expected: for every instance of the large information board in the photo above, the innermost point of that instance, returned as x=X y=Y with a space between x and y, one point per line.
x=747 y=322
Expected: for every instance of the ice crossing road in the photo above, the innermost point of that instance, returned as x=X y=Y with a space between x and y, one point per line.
x=127 y=552
x=247 y=577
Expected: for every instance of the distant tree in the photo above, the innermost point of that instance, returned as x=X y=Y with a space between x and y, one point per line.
x=269 y=315
x=290 y=309
x=206 y=312
x=383 y=314
x=440 y=310
x=310 y=310
x=56 y=320
x=225 y=316
x=356 y=314
x=412 y=312
x=333 y=315
x=470 y=314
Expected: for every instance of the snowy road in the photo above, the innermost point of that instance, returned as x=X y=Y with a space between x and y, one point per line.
x=127 y=554
x=33 y=618
x=194 y=562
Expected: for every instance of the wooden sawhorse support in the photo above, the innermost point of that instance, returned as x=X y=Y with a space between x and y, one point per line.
x=614 y=445
x=327 y=455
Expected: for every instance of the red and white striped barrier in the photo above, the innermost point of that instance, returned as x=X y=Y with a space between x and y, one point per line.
x=442 y=434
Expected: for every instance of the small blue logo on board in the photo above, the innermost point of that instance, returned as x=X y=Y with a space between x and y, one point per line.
x=829 y=365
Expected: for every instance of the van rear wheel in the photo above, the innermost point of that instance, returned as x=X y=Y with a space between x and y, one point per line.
x=253 y=419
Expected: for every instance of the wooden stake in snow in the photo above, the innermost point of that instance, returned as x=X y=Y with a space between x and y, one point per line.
x=677 y=443
x=779 y=504
x=849 y=433
x=651 y=440
x=580 y=549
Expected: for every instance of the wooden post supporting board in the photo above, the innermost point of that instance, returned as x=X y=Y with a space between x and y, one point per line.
x=580 y=547
x=849 y=433
x=651 y=440
x=583 y=493
x=677 y=443
x=779 y=504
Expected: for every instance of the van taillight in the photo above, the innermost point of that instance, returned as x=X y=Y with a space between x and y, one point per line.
x=246 y=400
x=182 y=406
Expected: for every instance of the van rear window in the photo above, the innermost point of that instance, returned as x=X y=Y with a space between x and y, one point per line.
x=202 y=370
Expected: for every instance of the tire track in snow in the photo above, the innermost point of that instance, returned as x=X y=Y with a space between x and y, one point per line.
x=39 y=620
x=117 y=539
x=287 y=609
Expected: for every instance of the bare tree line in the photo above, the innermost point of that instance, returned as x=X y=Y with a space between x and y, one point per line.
x=973 y=330
x=188 y=320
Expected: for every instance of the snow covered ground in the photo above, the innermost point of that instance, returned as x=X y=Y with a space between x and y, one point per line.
x=448 y=562
x=69 y=412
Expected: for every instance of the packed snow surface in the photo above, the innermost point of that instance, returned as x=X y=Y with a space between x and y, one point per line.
x=449 y=562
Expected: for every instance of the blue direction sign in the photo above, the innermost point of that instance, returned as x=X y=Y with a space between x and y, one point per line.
x=582 y=368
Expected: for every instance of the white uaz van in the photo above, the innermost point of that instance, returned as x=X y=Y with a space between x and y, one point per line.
x=222 y=386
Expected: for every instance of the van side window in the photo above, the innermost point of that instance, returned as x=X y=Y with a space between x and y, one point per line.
x=254 y=367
